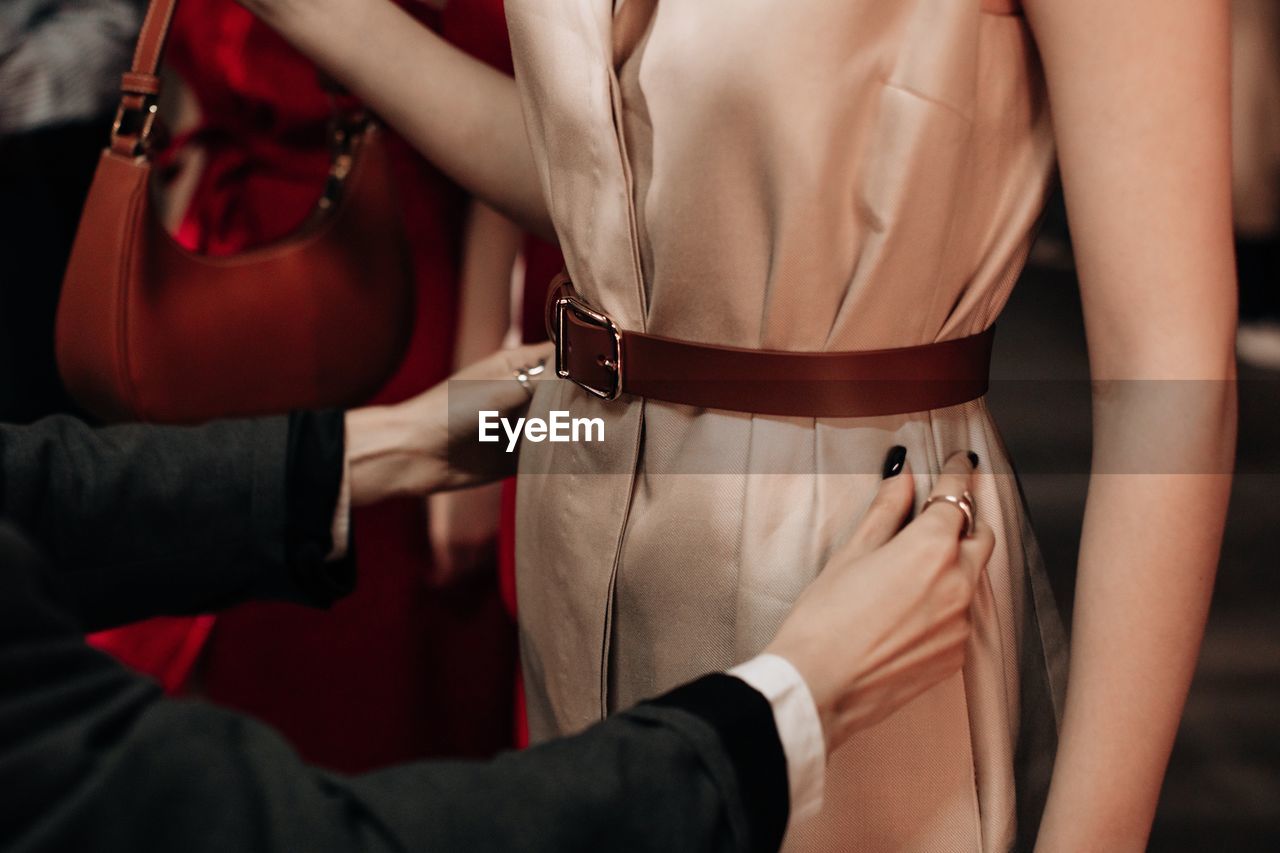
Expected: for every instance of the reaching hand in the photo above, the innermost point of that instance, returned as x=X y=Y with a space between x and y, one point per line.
x=888 y=617
x=428 y=444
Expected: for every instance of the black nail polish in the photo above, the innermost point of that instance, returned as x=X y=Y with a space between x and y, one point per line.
x=973 y=459
x=894 y=461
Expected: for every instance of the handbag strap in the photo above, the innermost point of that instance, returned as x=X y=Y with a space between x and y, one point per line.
x=140 y=85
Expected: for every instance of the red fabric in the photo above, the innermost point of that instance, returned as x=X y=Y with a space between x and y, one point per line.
x=165 y=648
x=400 y=669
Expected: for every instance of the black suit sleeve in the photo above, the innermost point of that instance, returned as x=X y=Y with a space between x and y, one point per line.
x=94 y=760
x=148 y=520
x=151 y=520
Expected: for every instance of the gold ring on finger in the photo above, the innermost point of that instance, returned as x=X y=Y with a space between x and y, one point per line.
x=963 y=502
x=525 y=375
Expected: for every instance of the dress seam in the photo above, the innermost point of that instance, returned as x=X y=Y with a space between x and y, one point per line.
x=620 y=541
x=633 y=247
x=628 y=181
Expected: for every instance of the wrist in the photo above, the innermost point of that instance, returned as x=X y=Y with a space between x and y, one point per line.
x=388 y=456
x=825 y=700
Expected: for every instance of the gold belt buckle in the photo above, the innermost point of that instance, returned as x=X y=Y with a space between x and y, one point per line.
x=581 y=311
x=142 y=119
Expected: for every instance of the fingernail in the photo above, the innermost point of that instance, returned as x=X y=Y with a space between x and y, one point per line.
x=894 y=461
x=973 y=459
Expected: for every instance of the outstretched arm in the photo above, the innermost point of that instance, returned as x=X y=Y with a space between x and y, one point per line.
x=458 y=112
x=146 y=520
x=1139 y=93
x=86 y=747
x=94 y=758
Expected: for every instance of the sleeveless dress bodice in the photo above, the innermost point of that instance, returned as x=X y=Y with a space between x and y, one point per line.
x=798 y=175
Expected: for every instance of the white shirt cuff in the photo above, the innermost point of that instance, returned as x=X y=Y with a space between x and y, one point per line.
x=799 y=728
x=341 y=528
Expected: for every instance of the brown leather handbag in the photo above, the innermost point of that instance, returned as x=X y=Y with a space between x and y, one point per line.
x=147 y=330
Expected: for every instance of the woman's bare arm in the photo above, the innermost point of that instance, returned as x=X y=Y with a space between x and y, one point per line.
x=1140 y=98
x=458 y=112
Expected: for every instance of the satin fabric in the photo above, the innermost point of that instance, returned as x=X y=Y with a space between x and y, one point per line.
x=803 y=175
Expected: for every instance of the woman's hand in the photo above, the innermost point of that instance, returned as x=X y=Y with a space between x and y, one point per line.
x=428 y=443
x=888 y=617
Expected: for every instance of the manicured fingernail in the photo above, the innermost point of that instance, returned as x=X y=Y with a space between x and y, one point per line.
x=894 y=461
x=973 y=459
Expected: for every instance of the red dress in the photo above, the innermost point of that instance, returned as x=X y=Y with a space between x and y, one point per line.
x=401 y=669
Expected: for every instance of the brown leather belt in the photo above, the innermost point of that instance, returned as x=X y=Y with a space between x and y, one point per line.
x=608 y=362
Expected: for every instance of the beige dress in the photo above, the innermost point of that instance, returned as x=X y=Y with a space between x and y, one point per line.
x=802 y=175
